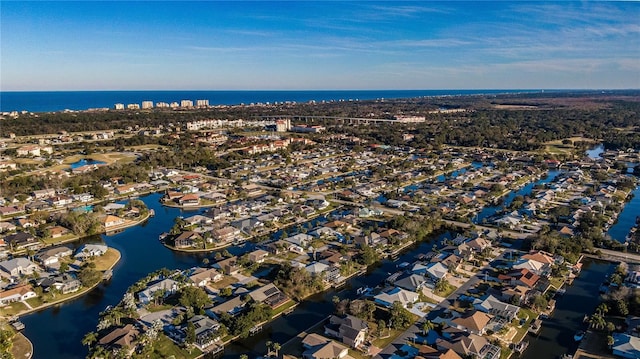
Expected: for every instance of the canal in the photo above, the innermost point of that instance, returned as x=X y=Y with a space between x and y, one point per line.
x=627 y=218
x=57 y=332
x=556 y=336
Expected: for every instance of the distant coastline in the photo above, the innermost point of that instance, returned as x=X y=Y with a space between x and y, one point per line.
x=53 y=101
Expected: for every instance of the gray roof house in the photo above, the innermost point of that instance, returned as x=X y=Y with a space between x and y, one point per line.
x=18 y=266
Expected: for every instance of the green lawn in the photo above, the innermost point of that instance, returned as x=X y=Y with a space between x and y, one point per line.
x=522 y=332
x=165 y=348
x=445 y=293
x=383 y=342
x=12 y=309
x=283 y=307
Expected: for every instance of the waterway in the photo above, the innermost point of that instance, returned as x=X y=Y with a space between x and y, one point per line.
x=595 y=152
x=627 y=218
x=57 y=332
x=526 y=190
x=556 y=336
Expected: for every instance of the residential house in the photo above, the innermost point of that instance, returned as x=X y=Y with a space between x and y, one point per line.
x=470 y=345
x=201 y=277
x=395 y=294
x=187 y=239
x=21 y=240
x=270 y=295
x=257 y=256
x=523 y=277
x=328 y=350
x=87 y=251
x=474 y=322
x=51 y=256
x=233 y=307
x=436 y=271
x=18 y=266
x=190 y=199
x=491 y=305
x=300 y=239
x=166 y=286
x=206 y=330
x=16 y=294
x=225 y=234
x=57 y=231
x=229 y=266
x=111 y=221
x=626 y=346
x=411 y=282
x=120 y=338
x=349 y=329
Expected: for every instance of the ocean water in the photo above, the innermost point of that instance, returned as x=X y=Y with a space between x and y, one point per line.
x=82 y=100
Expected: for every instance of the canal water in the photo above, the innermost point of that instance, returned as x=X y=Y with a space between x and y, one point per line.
x=526 y=190
x=627 y=218
x=57 y=332
x=556 y=336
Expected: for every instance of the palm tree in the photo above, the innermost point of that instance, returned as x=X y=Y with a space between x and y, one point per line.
x=89 y=339
x=276 y=348
x=427 y=326
x=244 y=356
x=269 y=344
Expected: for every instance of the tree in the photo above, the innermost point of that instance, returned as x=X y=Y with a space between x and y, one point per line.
x=539 y=302
x=276 y=348
x=194 y=297
x=400 y=317
x=64 y=266
x=89 y=339
x=427 y=326
x=191 y=333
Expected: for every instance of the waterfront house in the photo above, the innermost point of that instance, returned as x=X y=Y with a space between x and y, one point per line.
x=16 y=294
x=190 y=199
x=206 y=330
x=21 y=240
x=257 y=256
x=349 y=329
x=233 y=307
x=111 y=221
x=469 y=345
x=57 y=231
x=412 y=282
x=269 y=295
x=122 y=338
x=328 y=350
x=436 y=271
x=186 y=239
x=225 y=234
x=395 y=294
x=474 y=322
x=90 y=250
x=51 y=256
x=201 y=277
x=166 y=286
x=626 y=346
x=491 y=305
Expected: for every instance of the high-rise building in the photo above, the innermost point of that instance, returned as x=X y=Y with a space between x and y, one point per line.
x=202 y=103
x=186 y=103
x=162 y=105
x=119 y=106
x=133 y=106
x=147 y=104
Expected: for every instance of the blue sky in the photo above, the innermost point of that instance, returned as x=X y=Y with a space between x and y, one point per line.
x=239 y=45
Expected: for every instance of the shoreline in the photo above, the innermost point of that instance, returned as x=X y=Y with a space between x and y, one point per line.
x=76 y=294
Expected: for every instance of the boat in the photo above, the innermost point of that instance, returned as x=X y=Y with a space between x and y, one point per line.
x=578 y=336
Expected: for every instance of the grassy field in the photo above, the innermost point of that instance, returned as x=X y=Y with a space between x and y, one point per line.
x=557 y=147
x=108 y=260
x=165 y=348
x=12 y=309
